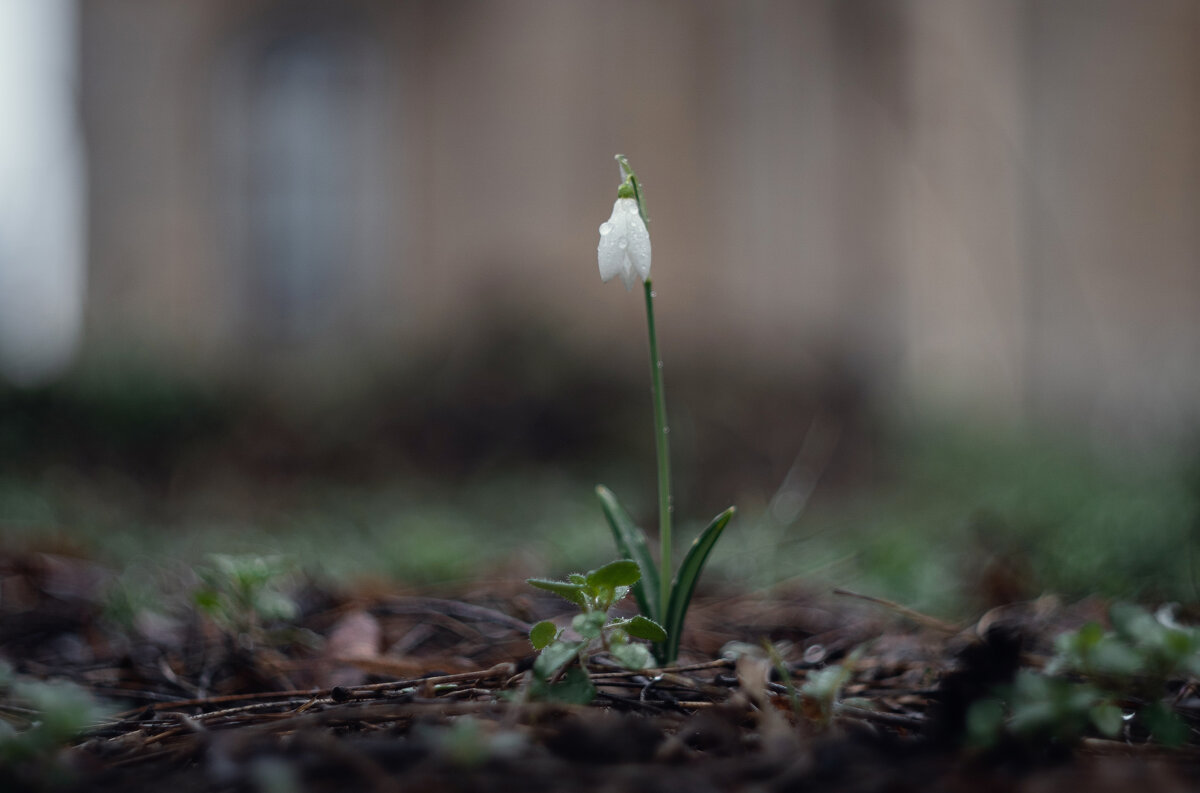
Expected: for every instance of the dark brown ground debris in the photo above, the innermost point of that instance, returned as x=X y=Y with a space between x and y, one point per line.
x=388 y=692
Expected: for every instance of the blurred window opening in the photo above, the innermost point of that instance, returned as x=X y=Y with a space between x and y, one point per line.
x=303 y=102
x=299 y=197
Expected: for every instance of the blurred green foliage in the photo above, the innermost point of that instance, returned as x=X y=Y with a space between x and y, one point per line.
x=1036 y=709
x=465 y=468
x=37 y=719
x=135 y=415
x=1098 y=681
x=244 y=594
x=958 y=509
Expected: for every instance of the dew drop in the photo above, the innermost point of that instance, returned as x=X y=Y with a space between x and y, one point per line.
x=666 y=430
x=653 y=294
x=605 y=227
x=814 y=654
x=658 y=364
x=623 y=243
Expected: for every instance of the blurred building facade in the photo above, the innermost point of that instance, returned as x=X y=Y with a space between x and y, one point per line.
x=979 y=204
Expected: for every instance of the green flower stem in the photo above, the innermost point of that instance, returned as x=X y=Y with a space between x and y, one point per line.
x=664 y=456
x=660 y=417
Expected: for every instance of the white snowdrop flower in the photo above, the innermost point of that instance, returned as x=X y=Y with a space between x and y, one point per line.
x=624 y=247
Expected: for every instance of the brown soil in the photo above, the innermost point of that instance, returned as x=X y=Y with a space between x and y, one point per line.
x=389 y=691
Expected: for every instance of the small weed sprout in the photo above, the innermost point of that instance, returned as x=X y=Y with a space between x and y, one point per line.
x=819 y=698
x=242 y=594
x=624 y=250
x=47 y=716
x=1098 y=680
x=595 y=593
x=1134 y=662
x=821 y=691
x=468 y=743
x=1143 y=648
x=1036 y=709
x=781 y=669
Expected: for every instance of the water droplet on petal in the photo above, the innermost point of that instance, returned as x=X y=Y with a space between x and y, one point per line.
x=623 y=243
x=605 y=227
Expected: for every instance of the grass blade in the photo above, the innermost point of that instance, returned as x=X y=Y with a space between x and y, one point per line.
x=631 y=543
x=685 y=581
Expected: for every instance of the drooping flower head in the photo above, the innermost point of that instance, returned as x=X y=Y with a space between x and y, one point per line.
x=624 y=247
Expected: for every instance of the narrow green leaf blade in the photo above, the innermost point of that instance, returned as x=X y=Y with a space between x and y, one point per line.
x=568 y=591
x=631 y=543
x=685 y=581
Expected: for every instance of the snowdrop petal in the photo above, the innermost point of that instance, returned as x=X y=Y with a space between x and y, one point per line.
x=628 y=276
x=639 y=245
x=608 y=254
x=624 y=247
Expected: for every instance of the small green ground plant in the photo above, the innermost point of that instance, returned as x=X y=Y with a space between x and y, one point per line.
x=1134 y=664
x=1037 y=710
x=243 y=594
x=1098 y=680
x=595 y=593
x=818 y=698
x=625 y=250
x=37 y=720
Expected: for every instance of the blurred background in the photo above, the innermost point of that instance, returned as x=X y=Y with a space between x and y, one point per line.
x=319 y=277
